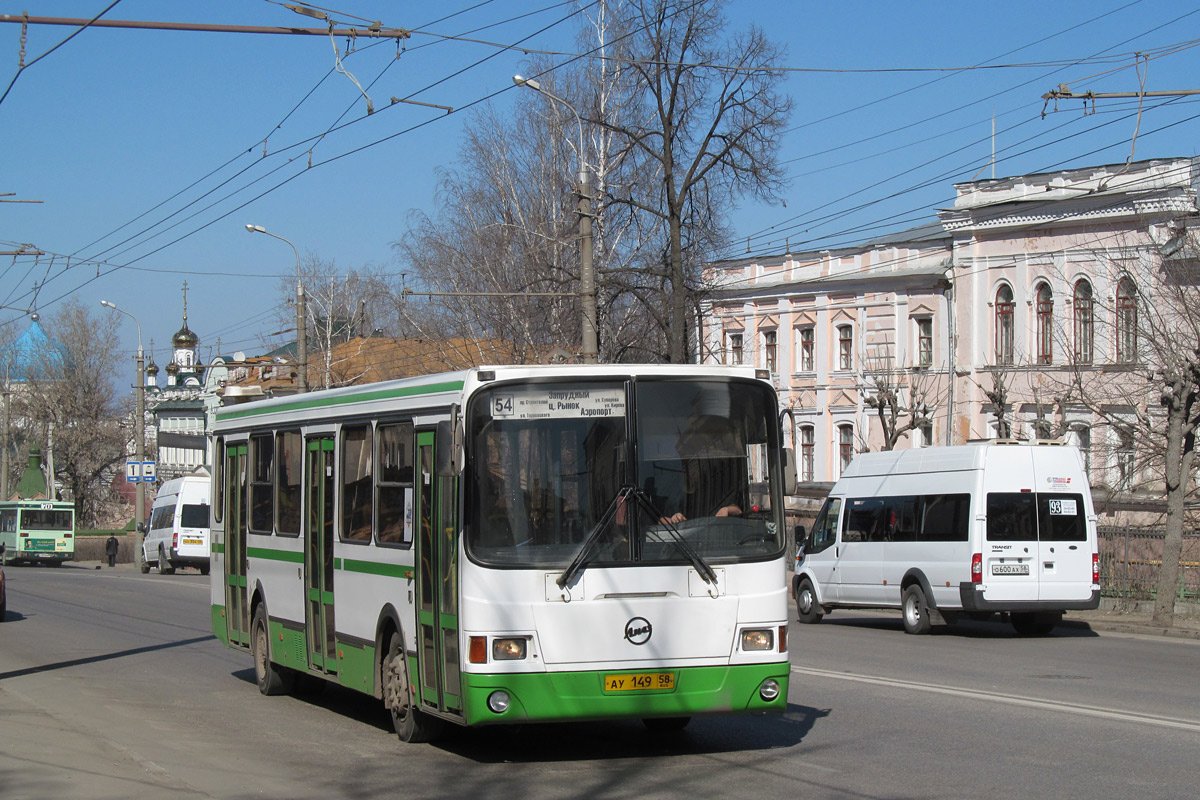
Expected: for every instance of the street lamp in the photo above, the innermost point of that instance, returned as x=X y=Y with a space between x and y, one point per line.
x=301 y=313
x=139 y=427
x=587 y=272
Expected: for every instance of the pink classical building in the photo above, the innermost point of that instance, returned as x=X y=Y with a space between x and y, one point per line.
x=1027 y=283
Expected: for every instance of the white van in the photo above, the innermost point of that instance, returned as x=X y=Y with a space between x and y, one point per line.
x=998 y=526
x=179 y=526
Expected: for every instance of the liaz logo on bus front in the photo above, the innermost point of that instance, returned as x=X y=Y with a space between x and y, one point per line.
x=638 y=630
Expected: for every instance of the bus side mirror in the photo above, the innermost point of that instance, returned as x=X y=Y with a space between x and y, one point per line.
x=448 y=455
x=789 y=471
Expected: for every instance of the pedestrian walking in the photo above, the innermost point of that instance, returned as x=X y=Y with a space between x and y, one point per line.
x=110 y=549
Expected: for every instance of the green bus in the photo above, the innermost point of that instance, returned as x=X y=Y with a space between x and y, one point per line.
x=37 y=530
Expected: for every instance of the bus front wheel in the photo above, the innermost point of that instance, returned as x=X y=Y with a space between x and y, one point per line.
x=411 y=724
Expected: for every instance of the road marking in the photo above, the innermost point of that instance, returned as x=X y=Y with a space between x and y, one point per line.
x=1008 y=699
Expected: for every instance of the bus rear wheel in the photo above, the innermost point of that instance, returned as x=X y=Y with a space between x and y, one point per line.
x=271 y=679
x=411 y=724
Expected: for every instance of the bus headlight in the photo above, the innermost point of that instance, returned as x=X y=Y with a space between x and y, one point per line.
x=769 y=689
x=498 y=701
x=758 y=639
x=508 y=649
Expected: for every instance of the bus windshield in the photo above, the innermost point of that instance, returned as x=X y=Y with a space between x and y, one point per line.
x=35 y=519
x=631 y=469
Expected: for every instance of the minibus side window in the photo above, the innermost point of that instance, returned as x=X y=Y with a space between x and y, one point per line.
x=864 y=520
x=947 y=518
x=1011 y=517
x=824 y=530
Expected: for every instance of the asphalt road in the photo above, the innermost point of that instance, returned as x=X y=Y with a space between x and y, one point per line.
x=112 y=686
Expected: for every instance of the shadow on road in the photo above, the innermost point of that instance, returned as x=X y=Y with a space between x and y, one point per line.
x=630 y=739
x=75 y=662
x=994 y=628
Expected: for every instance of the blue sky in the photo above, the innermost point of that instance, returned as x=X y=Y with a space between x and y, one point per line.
x=119 y=129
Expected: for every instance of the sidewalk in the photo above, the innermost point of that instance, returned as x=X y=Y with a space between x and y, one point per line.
x=1134 y=617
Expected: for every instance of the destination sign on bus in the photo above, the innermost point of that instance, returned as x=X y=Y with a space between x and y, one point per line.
x=558 y=403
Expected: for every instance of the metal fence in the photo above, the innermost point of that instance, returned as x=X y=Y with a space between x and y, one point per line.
x=1130 y=558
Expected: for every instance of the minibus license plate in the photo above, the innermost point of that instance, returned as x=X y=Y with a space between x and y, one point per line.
x=1010 y=569
x=639 y=682
x=193 y=541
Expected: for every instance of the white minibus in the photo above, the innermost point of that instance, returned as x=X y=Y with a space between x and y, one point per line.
x=179 y=526
x=1001 y=526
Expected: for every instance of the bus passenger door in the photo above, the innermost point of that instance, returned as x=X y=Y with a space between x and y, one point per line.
x=437 y=583
x=237 y=611
x=318 y=555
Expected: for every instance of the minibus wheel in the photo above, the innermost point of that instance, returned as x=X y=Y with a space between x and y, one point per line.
x=915 y=610
x=807 y=608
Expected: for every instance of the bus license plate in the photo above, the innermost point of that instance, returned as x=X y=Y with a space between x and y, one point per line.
x=639 y=682
x=1010 y=569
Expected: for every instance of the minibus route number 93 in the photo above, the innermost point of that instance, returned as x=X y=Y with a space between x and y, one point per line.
x=511 y=544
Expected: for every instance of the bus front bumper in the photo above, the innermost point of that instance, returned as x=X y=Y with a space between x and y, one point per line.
x=563 y=696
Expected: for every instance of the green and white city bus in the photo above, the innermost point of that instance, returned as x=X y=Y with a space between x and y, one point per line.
x=37 y=530
x=511 y=544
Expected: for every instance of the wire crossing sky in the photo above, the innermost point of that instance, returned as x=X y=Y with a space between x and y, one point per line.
x=150 y=150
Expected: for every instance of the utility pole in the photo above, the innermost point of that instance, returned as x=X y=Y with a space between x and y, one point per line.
x=590 y=350
x=4 y=453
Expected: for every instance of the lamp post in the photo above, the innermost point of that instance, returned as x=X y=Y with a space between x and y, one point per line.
x=301 y=313
x=139 y=427
x=587 y=272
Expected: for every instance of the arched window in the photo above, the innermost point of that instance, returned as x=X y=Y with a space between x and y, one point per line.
x=1045 y=324
x=845 y=445
x=1084 y=328
x=1004 y=325
x=1126 y=322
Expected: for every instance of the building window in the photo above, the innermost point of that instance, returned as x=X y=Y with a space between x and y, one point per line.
x=845 y=445
x=1085 y=334
x=1004 y=325
x=808 y=348
x=923 y=435
x=1082 y=436
x=1045 y=324
x=1126 y=322
x=845 y=347
x=733 y=348
x=924 y=342
x=771 y=351
x=808 y=440
x=1125 y=458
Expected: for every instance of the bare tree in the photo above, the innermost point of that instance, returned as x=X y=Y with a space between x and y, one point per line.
x=68 y=400
x=1152 y=394
x=341 y=306
x=899 y=398
x=1001 y=405
x=705 y=133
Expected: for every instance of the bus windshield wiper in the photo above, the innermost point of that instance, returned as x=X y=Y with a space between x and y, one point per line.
x=702 y=567
x=585 y=549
